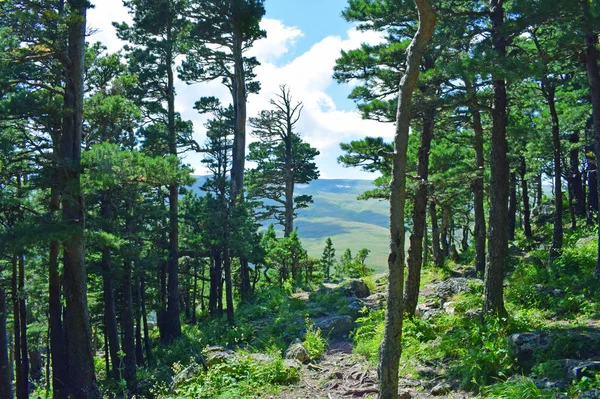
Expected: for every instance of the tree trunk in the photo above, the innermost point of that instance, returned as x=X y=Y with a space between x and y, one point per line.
x=110 y=315
x=438 y=254
x=525 y=195
x=80 y=377
x=24 y=388
x=5 y=381
x=478 y=193
x=228 y=284
x=289 y=187
x=147 y=345
x=591 y=40
x=127 y=324
x=499 y=182
x=415 y=252
x=512 y=207
x=57 y=343
x=557 y=235
x=20 y=329
x=170 y=330
x=390 y=349
x=575 y=181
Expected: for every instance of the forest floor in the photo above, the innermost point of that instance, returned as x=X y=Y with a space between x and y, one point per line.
x=341 y=374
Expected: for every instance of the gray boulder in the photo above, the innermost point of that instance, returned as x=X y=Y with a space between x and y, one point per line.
x=452 y=286
x=184 y=375
x=440 y=389
x=568 y=344
x=296 y=351
x=292 y=364
x=214 y=355
x=356 y=287
x=335 y=326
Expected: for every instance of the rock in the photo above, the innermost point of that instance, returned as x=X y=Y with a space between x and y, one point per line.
x=585 y=241
x=297 y=352
x=567 y=344
x=335 y=326
x=585 y=368
x=547 y=383
x=431 y=313
x=449 y=308
x=356 y=287
x=543 y=213
x=452 y=286
x=591 y=394
x=292 y=364
x=214 y=355
x=473 y=314
x=184 y=375
x=404 y=395
x=524 y=346
x=441 y=389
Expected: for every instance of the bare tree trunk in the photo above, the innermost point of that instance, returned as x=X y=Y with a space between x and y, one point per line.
x=147 y=346
x=438 y=254
x=575 y=180
x=415 y=252
x=170 y=329
x=512 y=207
x=5 y=381
x=591 y=40
x=557 y=236
x=110 y=315
x=525 y=194
x=478 y=193
x=390 y=349
x=228 y=284
x=499 y=182
x=57 y=342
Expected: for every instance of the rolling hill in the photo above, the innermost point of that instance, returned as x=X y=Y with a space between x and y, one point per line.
x=336 y=213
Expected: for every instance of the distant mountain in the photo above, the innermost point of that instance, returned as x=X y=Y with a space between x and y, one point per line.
x=336 y=213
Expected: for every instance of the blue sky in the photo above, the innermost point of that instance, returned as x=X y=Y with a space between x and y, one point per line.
x=304 y=37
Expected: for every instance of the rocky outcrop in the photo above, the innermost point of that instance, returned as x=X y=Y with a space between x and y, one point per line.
x=335 y=326
x=214 y=355
x=296 y=351
x=568 y=344
x=452 y=286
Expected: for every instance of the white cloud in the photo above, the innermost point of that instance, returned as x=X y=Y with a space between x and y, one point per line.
x=308 y=76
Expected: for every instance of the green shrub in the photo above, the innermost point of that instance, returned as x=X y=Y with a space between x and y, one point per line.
x=314 y=342
x=516 y=388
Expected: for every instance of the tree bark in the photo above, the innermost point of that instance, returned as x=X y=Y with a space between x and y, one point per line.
x=575 y=180
x=57 y=342
x=147 y=345
x=170 y=329
x=110 y=315
x=415 y=252
x=499 y=182
x=228 y=284
x=127 y=323
x=525 y=198
x=557 y=235
x=438 y=254
x=5 y=382
x=512 y=207
x=593 y=74
x=478 y=193
x=80 y=377
x=390 y=348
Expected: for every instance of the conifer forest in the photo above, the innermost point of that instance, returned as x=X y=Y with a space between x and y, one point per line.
x=125 y=273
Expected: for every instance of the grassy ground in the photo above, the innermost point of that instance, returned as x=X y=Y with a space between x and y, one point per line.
x=462 y=348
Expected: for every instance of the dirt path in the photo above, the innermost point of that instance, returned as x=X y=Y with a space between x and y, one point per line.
x=341 y=375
